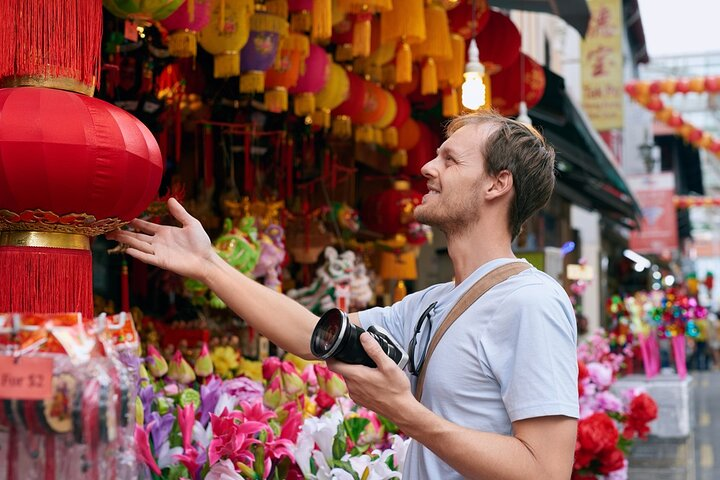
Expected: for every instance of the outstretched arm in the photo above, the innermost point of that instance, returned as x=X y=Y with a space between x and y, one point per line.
x=540 y=448
x=187 y=251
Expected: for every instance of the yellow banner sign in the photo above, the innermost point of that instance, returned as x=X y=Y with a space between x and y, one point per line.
x=602 y=65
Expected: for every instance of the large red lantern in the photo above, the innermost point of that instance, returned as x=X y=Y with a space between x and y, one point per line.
x=506 y=86
x=460 y=18
x=75 y=168
x=498 y=42
x=391 y=211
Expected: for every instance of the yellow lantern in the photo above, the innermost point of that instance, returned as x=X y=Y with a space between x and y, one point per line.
x=335 y=91
x=404 y=26
x=226 y=33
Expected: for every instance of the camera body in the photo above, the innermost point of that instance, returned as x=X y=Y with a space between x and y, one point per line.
x=336 y=337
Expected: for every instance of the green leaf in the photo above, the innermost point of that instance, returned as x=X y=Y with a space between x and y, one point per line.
x=177 y=471
x=390 y=427
x=345 y=465
x=339 y=444
x=359 y=450
x=355 y=426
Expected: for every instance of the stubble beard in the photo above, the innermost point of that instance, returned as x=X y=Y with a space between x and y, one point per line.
x=453 y=219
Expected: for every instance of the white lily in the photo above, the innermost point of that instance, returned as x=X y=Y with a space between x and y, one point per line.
x=166 y=455
x=201 y=435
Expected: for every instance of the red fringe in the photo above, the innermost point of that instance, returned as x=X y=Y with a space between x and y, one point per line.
x=51 y=38
x=46 y=280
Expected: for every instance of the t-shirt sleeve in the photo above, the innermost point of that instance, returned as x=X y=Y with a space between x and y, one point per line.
x=530 y=346
x=393 y=318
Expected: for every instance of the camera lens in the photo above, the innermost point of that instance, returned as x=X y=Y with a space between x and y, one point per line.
x=328 y=333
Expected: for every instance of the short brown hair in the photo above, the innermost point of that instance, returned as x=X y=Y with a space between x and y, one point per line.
x=521 y=150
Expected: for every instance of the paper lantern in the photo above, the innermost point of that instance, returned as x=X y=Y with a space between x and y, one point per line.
x=226 y=33
x=403 y=110
x=311 y=16
x=260 y=51
x=506 y=86
x=498 y=42
x=336 y=90
x=353 y=104
x=75 y=168
x=391 y=211
x=183 y=25
x=144 y=10
x=423 y=151
x=374 y=105
x=285 y=73
x=460 y=18
x=66 y=58
x=391 y=110
x=311 y=81
x=408 y=134
x=404 y=26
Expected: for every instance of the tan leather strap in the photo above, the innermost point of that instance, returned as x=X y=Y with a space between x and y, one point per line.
x=487 y=282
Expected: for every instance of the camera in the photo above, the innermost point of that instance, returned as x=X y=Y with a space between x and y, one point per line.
x=335 y=336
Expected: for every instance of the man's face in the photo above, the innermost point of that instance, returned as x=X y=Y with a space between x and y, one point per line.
x=455 y=178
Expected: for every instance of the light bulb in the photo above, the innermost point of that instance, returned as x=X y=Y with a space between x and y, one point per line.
x=473 y=88
x=523 y=116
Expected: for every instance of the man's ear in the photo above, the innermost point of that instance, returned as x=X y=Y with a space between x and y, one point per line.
x=502 y=184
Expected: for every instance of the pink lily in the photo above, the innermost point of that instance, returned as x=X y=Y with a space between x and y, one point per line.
x=232 y=437
x=186 y=421
x=256 y=412
x=142 y=446
x=291 y=427
x=189 y=459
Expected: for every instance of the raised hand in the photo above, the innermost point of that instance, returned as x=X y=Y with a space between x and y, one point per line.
x=184 y=250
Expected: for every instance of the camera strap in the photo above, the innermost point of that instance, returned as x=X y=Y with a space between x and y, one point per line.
x=487 y=282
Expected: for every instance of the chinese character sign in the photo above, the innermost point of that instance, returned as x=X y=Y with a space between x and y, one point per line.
x=602 y=65
x=659 y=229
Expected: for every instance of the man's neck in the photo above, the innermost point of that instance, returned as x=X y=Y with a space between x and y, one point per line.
x=475 y=247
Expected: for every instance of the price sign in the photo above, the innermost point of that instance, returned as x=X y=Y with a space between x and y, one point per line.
x=26 y=378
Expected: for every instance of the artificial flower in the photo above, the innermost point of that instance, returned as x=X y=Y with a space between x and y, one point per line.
x=204 y=364
x=232 y=437
x=166 y=455
x=156 y=363
x=225 y=360
x=292 y=384
x=209 y=395
x=142 y=447
x=243 y=389
x=223 y=470
x=160 y=426
x=186 y=421
x=597 y=433
x=270 y=366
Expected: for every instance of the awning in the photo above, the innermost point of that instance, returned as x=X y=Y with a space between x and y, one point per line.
x=587 y=174
x=575 y=12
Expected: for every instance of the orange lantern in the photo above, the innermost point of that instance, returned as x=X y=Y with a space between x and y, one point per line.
x=404 y=27
x=436 y=47
x=285 y=73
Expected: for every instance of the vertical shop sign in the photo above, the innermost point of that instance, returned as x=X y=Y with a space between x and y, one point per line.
x=658 y=229
x=602 y=65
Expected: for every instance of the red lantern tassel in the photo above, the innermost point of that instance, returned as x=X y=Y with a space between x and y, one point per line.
x=178 y=133
x=249 y=179
x=46 y=280
x=124 y=287
x=49 y=457
x=209 y=156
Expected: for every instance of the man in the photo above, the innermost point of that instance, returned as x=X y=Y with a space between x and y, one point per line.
x=500 y=398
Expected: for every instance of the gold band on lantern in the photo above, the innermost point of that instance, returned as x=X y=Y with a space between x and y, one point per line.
x=58 y=83
x=72 y=241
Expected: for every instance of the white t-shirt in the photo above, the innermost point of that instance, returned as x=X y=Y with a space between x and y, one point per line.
x=510 y=356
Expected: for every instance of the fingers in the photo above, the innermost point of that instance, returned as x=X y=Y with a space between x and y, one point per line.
x=372 y=347
x=179 y=213
x=135 y=240
x=143 y=226
x=142 y=256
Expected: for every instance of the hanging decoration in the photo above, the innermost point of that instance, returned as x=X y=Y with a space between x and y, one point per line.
x=184 y=24
x=362 y=12
x=688 y=201
x=67 y=167
x=461 y=21
x=67 y=58
x=403 y=27
x=311 y=81
x=498 y=42
x=313 y=17
x=450 y=76
x=647 y=94
x=506 y=95
x=285 y=72
x=260 y=51
x=226 y=33
x=436 y=47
